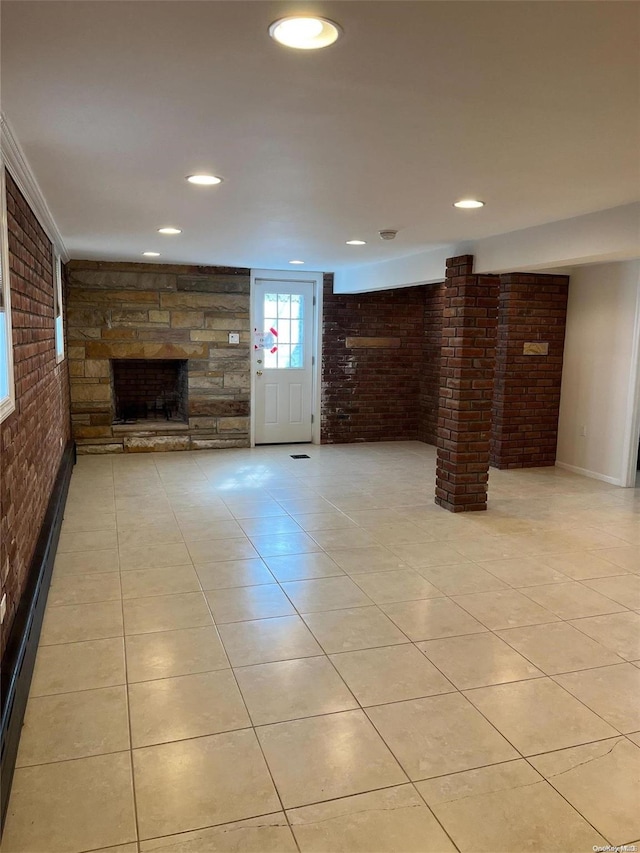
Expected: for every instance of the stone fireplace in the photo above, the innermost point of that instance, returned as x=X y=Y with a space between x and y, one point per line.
x=149 y=343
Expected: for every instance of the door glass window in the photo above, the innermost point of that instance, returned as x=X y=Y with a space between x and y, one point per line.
x=284 y=330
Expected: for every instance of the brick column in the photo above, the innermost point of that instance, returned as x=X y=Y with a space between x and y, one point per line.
x=466 y=388
x=526 y=403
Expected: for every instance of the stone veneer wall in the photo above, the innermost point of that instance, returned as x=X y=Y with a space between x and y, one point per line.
x=140 y=311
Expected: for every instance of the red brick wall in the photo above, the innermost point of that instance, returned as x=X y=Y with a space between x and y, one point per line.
x=527 y=387
x=431 y=363
x=33 y=437
x=466 y=391
x=372 y=393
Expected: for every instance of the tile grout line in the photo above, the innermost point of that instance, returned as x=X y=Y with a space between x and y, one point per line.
x=255 y=734
x=126 y=690
x=325 y=654
x=326 y=657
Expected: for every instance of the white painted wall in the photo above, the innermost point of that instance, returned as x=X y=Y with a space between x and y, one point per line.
x=604 y=236
x=421 y=268
x=607 y=235
x=600 y=373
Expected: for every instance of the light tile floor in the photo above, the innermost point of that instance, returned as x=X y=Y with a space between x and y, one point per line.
x=246 y=652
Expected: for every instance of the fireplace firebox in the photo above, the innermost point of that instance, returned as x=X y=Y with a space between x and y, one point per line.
x=149 y=389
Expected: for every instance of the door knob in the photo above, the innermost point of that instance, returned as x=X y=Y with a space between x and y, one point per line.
x=259 y=372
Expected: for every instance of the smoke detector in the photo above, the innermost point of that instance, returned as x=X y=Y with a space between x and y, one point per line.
x=387 y=234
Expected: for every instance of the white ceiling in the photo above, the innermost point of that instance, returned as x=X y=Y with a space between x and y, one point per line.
x=531 y=106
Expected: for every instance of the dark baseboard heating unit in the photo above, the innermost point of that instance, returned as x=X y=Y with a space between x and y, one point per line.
x=22 y=644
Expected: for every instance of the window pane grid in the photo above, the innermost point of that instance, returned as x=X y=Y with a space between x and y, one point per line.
x=284 y=312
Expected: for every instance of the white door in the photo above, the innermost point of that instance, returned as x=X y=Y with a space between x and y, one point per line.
x=283 y=314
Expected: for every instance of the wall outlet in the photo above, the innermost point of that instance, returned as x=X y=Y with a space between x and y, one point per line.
x=234 y=337
x=583 y=431
x=3 y=608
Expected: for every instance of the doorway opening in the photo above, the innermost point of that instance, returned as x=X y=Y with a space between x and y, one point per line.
x=285 y=318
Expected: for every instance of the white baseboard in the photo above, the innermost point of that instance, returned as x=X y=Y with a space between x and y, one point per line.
x=584 y=472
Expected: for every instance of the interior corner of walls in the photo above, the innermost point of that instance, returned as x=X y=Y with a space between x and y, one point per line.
x=631 y=444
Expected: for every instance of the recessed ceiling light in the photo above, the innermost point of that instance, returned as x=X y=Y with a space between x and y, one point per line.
x=304 y=32
x=468 y=203
x=169 y=230
x=356 y=242
x=151 y=254
x=204 y=180
x=296 y=262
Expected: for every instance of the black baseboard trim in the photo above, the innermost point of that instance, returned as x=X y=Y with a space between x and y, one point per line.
x=22 y=644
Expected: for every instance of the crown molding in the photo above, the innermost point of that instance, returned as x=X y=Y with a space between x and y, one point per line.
x=16 y=162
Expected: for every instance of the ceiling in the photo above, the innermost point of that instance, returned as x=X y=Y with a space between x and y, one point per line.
x=530 y=106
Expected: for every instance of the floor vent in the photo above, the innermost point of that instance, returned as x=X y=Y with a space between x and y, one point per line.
x=300 y=456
